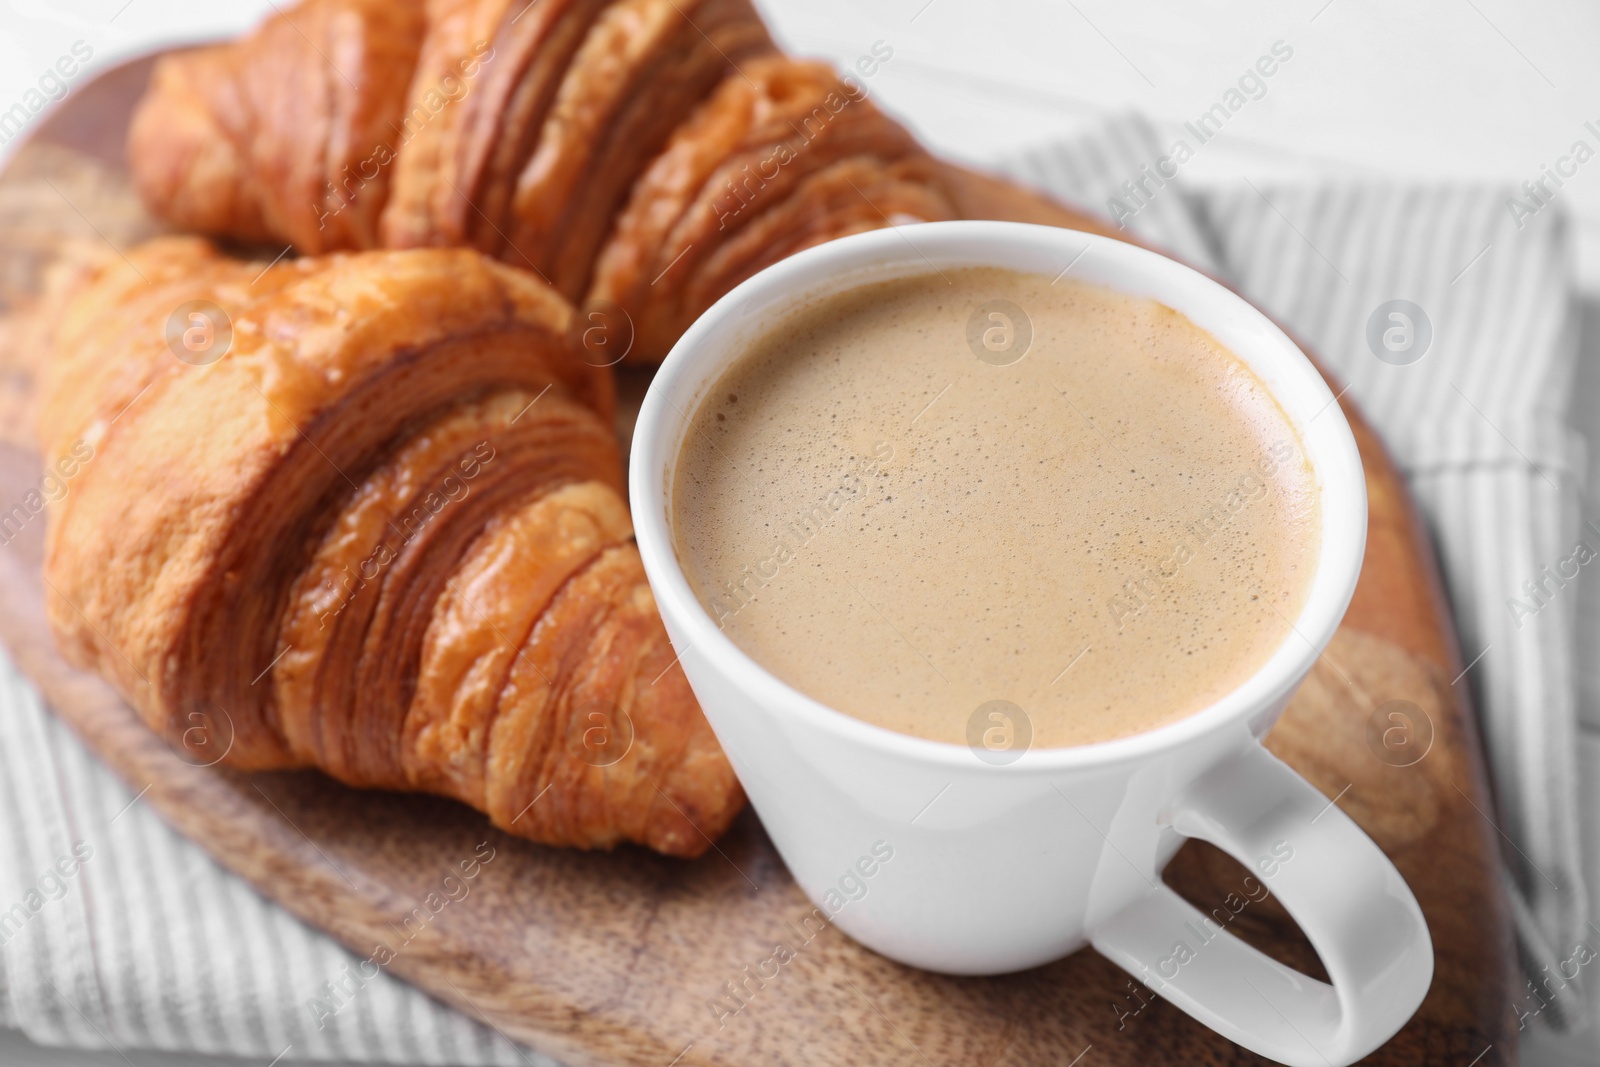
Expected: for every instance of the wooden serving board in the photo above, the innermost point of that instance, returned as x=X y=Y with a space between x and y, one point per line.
x=601 y=959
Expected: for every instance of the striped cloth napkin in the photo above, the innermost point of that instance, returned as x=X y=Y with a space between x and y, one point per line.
x=139 y=940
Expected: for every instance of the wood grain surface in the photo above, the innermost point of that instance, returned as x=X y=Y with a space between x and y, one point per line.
x=627 y=958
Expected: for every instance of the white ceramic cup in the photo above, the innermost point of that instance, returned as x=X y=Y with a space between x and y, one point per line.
x=932 y=856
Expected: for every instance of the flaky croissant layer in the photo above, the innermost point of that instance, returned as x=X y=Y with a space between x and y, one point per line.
x=642 y=156
x=377 y=529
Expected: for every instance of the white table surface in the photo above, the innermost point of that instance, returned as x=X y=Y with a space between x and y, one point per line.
x=1435 y=90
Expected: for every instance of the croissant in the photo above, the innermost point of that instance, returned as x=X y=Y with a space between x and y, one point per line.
x=785 y=157
x=249 y=140
x=363 y=512
x=642 y=156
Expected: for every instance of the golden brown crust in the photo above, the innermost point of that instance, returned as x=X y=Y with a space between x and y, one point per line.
x=456 y=57
x=739 y=188
x=286 y=134
x=849 y=196
x=253 y=434
x=641 y=155
x=352 y=633
x=532 y=52
x=481 y=623
x=271 y=535
x=643 y=67
x=597 y=676
x=188 y=165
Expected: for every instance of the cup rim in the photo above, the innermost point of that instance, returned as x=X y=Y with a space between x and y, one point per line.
x=706 y=350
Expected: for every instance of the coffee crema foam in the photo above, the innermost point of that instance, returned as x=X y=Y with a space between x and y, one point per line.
x=909 y=509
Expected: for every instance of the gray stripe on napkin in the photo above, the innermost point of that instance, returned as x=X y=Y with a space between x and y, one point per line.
x=150 y=944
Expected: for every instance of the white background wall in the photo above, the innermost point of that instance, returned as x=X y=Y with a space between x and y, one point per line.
x=1441 y=90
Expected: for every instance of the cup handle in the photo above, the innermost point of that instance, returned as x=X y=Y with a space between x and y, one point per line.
x=1354 y=907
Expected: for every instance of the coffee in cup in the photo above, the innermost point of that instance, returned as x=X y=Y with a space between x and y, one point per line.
x=989 y=507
